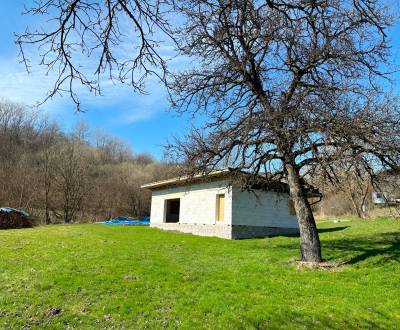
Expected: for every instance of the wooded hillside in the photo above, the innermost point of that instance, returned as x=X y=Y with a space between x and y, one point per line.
x=65 y=177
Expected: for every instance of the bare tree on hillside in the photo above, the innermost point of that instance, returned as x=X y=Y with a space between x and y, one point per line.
x=51 y=173
x=72 y=165
x=50 y=138
x=19 y=135
x=288 y=87
x=347 y=184
x=357 y=186
x=112 y=149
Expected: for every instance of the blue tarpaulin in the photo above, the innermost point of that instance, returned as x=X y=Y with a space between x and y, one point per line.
x=127 y=221
x=10 y=209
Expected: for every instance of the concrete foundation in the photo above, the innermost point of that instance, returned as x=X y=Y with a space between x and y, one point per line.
x=241 y=232
x=225 y=231
x=222 y=231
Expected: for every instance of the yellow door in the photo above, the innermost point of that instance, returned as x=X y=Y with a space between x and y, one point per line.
x=292 y=211
x=220 y=207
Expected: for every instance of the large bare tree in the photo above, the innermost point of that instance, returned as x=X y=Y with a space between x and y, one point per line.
x=287 y=88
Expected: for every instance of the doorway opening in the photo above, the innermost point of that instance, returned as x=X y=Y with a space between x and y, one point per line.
x=172 y=208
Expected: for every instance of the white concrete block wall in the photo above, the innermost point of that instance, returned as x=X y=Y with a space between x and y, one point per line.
x=197 y=203
x=270 y=209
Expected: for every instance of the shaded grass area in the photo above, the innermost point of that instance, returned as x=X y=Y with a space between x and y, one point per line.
x=94 y=276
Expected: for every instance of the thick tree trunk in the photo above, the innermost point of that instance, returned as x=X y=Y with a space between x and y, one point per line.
x=310 y=245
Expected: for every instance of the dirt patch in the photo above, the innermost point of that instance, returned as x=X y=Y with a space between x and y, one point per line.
x=130 y=277
x=325 y=265
x=53 y=312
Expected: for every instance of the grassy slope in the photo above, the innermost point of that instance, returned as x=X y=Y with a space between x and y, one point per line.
x=140 y=277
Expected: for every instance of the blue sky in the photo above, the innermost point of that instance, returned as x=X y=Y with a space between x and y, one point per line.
x=143 y=121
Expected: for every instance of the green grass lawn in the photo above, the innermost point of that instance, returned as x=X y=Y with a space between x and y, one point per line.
x=95 y=276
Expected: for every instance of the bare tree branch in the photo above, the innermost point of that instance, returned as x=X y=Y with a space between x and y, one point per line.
x=100 y=31
x=290 y=88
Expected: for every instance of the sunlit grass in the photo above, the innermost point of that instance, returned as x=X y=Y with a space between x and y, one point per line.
x=94 y=276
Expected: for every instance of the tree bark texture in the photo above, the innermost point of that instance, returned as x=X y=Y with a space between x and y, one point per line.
x=310 y=245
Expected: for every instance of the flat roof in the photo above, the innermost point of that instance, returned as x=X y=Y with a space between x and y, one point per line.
x=222 y=173
x=183 y=179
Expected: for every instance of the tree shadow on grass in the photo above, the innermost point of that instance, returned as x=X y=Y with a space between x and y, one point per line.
x=332 y=229
x=372 y=319
x=378 y=249
x=320 y=231
x=386 y=246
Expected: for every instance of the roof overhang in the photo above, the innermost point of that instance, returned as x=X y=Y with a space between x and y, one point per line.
x=226 y=173
x=216 y=174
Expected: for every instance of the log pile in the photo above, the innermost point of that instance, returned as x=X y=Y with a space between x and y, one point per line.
x=14 y=220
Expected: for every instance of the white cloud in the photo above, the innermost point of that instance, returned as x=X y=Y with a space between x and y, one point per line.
x=19 y=86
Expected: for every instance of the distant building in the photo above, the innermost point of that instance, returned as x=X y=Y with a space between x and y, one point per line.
x=212 y=206
x=380 y=197
x=388 y=189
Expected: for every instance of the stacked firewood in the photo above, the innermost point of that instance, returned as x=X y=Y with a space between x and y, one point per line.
x=14 y=220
